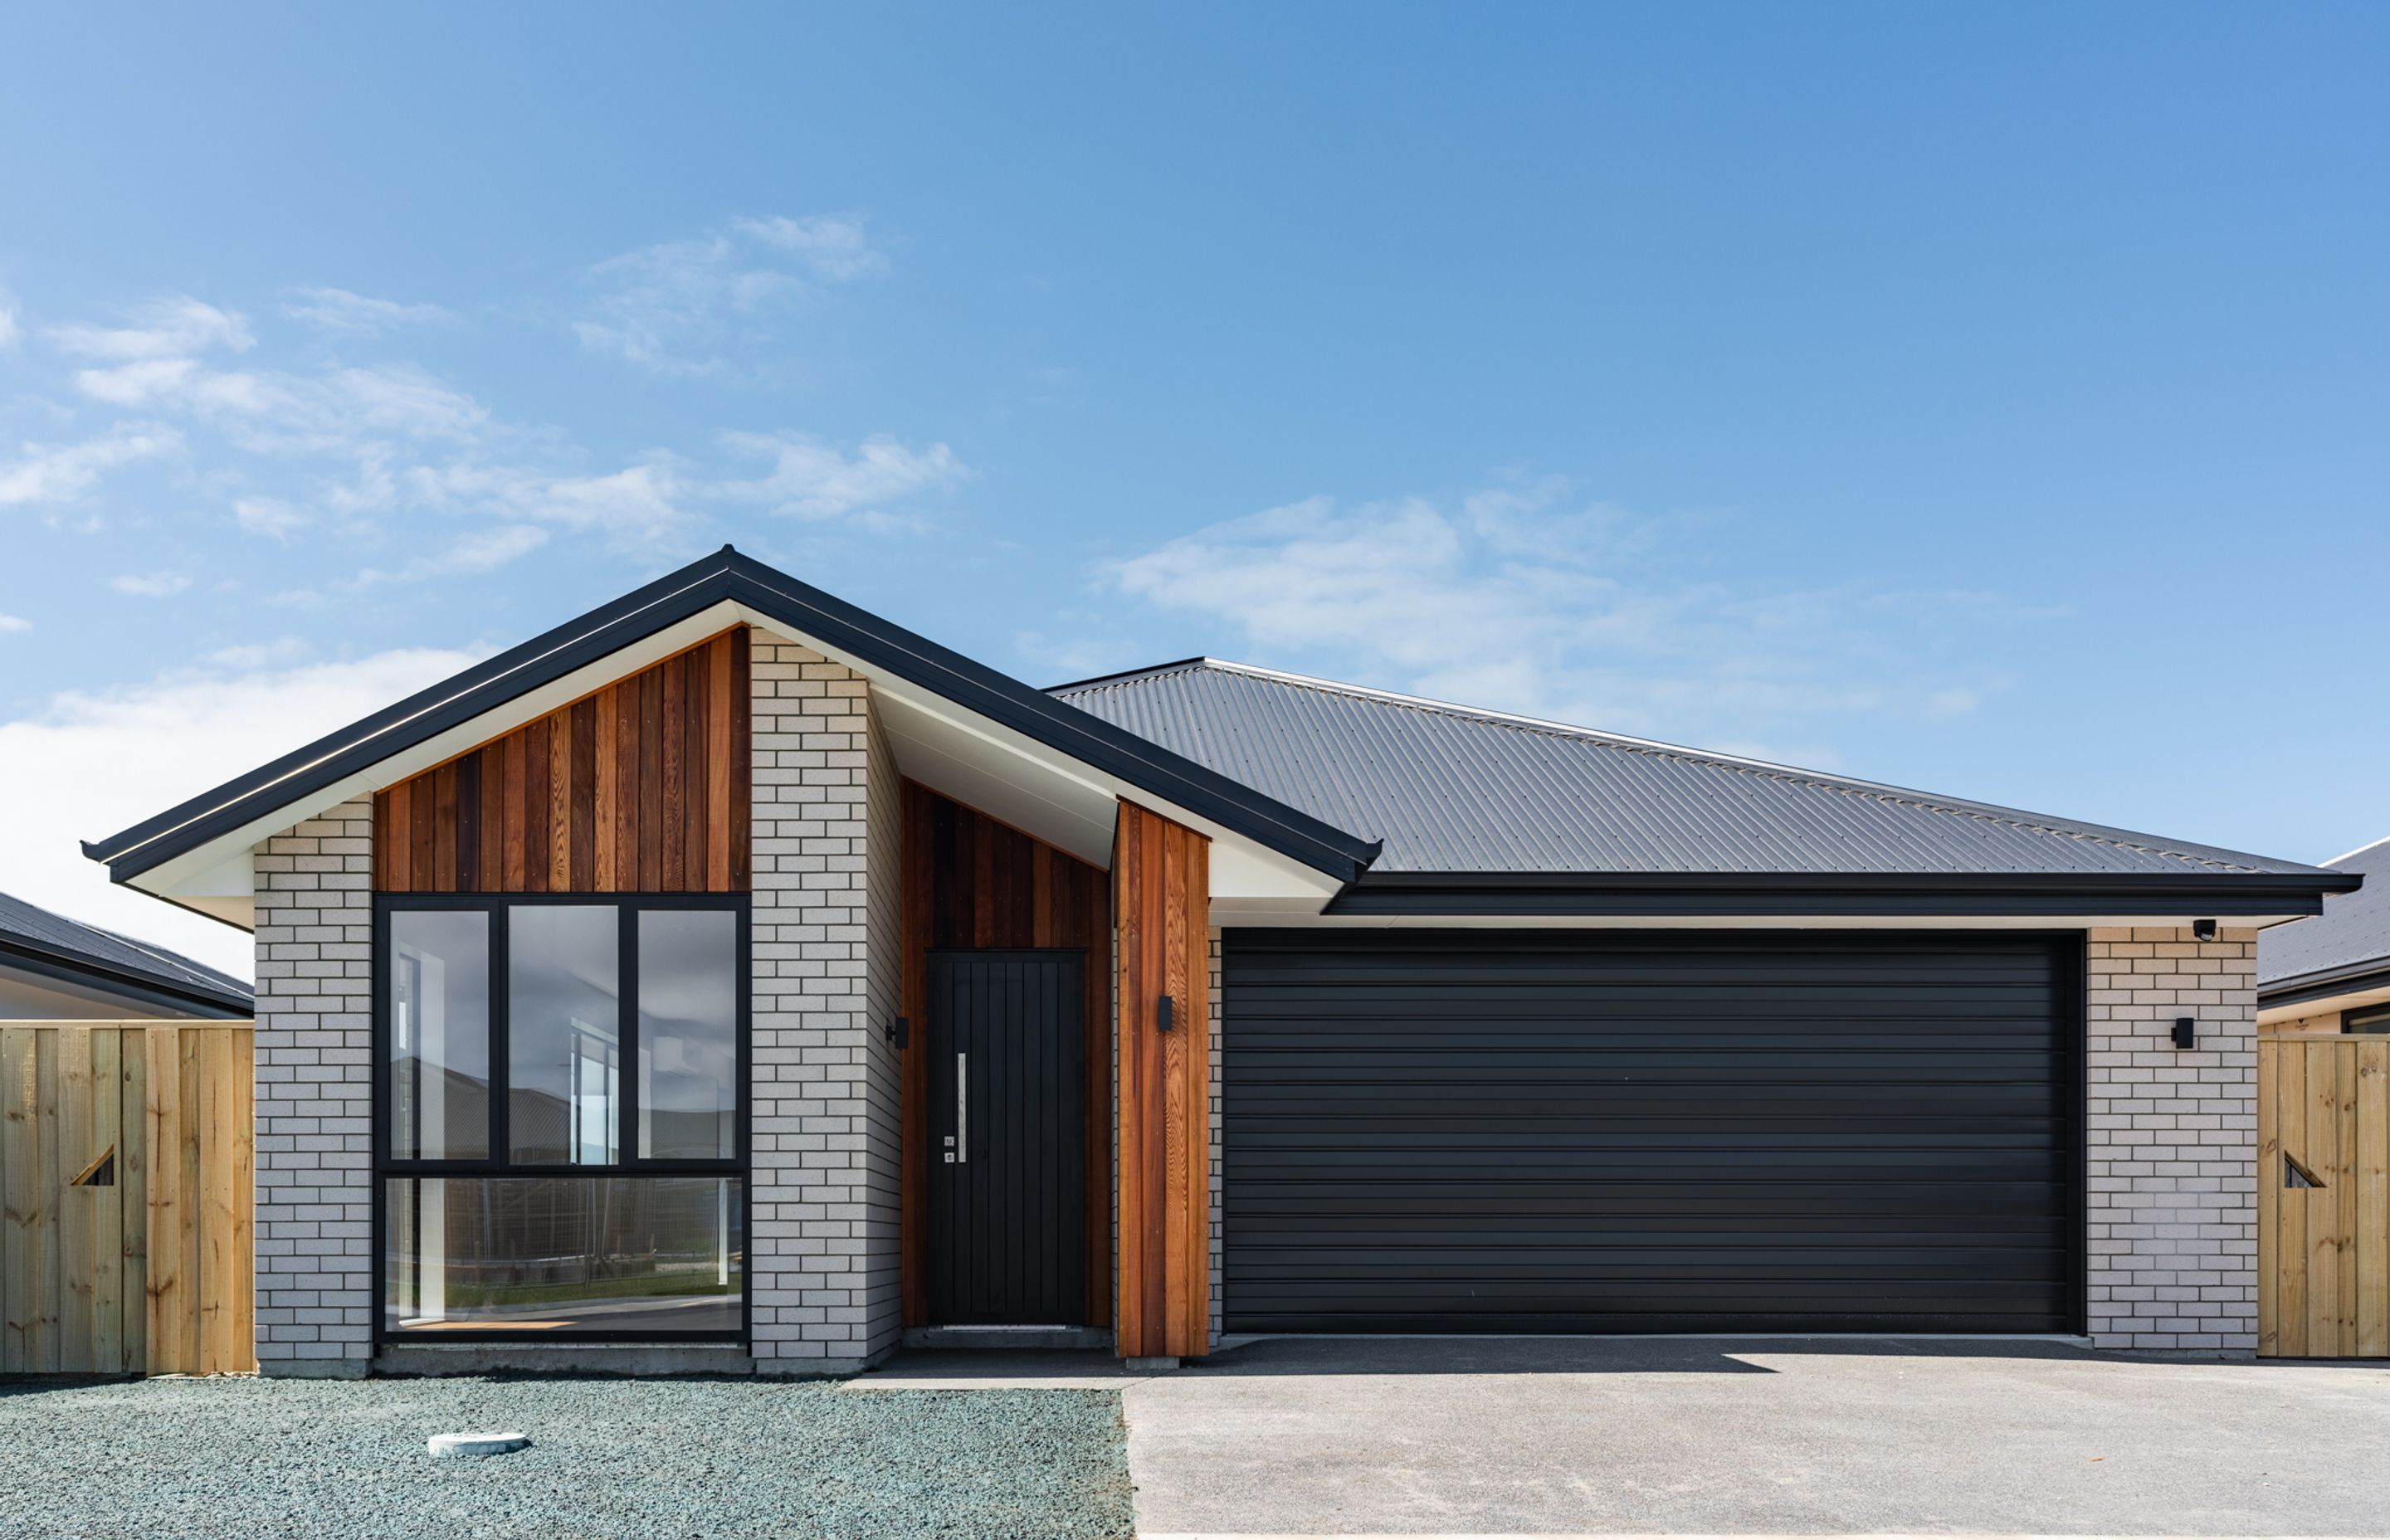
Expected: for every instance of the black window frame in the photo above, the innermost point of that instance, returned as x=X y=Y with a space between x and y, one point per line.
x=739 y=1167
x=2366 y=1020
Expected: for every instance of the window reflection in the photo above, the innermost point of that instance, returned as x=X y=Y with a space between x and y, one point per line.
x=688 y=1035
x=438 y=1034
x=563 y=1034
x=563 y=1253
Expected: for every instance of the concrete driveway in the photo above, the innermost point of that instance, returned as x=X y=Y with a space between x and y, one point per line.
x=1759 y=1436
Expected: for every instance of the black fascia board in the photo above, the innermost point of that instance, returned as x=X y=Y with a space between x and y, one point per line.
x=26 y=956
x=2325 y=982
x=1797 y=895
x=727 y=576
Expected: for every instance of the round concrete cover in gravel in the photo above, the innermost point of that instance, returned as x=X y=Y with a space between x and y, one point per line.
x=457 y=1445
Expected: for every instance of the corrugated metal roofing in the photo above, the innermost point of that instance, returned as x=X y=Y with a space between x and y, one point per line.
x=2353 y=929
x=1451 y=789
x=71 y=940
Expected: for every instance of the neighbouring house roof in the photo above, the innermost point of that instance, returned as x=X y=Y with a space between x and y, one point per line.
x=2344 y=950
x=1454 y=789
x=52 y=947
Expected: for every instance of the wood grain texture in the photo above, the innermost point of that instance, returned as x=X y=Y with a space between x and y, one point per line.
x=967 y=880
x=1161 y=901
x=2323 y=1251
x=640 y=788
x=85 y=1132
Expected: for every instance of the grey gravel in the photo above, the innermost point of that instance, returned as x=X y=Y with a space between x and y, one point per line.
x=651 y=1458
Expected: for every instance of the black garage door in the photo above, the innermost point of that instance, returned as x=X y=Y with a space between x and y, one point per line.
x=1456 y=1130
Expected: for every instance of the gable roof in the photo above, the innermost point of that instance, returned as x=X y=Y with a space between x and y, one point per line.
x=1454 y=790
x=726 y=577
x=42 y=941
x=2345 y=949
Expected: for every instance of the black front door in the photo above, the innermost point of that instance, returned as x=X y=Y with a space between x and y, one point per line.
x=1006 y=1120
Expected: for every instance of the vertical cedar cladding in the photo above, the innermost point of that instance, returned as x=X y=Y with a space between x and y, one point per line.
x=640 y=788
x=1162 y=899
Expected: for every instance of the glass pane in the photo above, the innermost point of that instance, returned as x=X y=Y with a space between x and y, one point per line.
x=688 y=1035
x=563 y=1034
x=438 y=1034
x=645 y=1254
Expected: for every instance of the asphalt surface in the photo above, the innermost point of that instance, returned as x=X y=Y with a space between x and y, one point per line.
x=610 y=1459
x=1778 y=1437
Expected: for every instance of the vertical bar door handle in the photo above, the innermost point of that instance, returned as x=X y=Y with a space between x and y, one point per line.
x=962 y=1109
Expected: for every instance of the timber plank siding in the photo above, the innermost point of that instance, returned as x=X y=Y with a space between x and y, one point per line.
x=971 y=882
x=640 y=788
x=1161 y=885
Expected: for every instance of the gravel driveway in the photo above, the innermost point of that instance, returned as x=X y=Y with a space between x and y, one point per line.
x=656 y=1458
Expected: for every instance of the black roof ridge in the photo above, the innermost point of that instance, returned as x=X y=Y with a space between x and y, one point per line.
x=728 y=576
x=2016 y=817
x=1150 y=670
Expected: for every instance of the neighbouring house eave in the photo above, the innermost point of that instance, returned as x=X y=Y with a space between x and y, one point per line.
x=31 y=957
x=2325 y=984
x=2222 y=895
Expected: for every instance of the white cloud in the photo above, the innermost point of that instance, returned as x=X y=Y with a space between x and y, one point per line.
x=676 y=306
x=270 y=517
x=175 y=326
x=150 y=585
x=1517 y=599
x=57 y=473
x=9 y=328
x=93 y=763
x=12 y=623
x=812 y=480
x=833 y=247
x=342 y=313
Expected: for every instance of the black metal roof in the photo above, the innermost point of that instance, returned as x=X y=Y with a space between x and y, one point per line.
x=1452 y=790
x=728 y=576
x=38 y=941
x=2343 y=949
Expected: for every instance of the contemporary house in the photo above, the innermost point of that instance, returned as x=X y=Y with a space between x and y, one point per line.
x=731 y=974
x=53 y=969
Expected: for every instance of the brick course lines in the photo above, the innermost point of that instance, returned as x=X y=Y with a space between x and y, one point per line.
x=2171 y=1179
x=315 y=1087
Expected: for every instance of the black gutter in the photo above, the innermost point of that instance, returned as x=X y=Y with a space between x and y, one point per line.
x=195 y=999
x=1798 y=895
x=2325 y=983
x=726 y=575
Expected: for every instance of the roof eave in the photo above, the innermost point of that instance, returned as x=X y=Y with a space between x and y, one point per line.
x=2223 y=895
x=728 y=576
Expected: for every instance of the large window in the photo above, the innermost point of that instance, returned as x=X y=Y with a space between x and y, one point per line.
x=561 y=1119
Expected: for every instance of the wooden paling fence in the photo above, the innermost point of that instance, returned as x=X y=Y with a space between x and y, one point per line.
x=2323 y=1197
x=126 y=1161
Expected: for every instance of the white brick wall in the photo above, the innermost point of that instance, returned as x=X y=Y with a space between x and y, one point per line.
x=2172 y=1186
x=822 y=1211
x=315 y=1088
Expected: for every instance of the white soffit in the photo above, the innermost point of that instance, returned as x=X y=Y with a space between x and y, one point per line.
x=2330 y=1004
x=1046 y=794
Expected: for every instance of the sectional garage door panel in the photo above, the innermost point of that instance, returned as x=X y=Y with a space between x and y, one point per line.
x=1458 y=1130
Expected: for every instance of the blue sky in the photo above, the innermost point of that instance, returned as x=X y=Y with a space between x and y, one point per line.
x=1991 y=400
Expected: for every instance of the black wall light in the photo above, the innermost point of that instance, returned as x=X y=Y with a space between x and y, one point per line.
x=2202 y=929
x=900 y=1031
x=2186 y=1032
x=1161 y=1013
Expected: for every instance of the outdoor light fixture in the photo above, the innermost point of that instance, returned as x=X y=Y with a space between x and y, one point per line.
x=2186 y=1031
x=899 y=1032
x=1161 y=1013
x=2202 y=929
